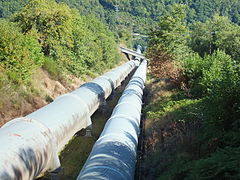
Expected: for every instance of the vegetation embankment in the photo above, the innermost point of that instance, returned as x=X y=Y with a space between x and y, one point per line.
x=138 y=15
x=193 y=122
x=49 y=38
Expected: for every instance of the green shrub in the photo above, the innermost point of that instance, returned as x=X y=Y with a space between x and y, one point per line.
x=206 y=74
x=19 y=54
x=223 y=164
x=78 y=44
x=53 y=69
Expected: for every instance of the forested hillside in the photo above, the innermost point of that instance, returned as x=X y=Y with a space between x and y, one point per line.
x=50 y=36
x=139 y=15
x=194 y=127
x=124 y=17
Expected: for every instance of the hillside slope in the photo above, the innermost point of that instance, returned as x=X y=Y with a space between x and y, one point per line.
x=139 y=13
x=193 y=128
x=48 y=40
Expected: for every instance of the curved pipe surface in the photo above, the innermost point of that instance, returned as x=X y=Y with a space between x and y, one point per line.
x=30 y=145
x=113 y=156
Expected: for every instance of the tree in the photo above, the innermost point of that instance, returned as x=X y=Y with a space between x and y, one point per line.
x=65 y=36
x=172 y=31
x=168 y=44
x=217 y=33
x=7 y=8
x=19 y=54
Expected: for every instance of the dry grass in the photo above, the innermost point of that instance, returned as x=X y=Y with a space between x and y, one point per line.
x=172 y=132
x=17 y=101
x=164 y=66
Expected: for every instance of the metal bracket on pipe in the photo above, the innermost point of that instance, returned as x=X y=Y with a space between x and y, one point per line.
x=113 y=95
x=55 y=175
x=89 y=131
x=103 y=107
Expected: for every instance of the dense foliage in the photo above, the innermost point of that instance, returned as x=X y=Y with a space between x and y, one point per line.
x=216 y=33
x=7 y=8
x=196 y=10
x=68 y=41
x=208 y=57
x=168 y=42
x=19 y=54
x=139 y=15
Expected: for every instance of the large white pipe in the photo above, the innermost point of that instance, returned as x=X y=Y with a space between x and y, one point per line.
x=30 y=145
x=113 y=156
